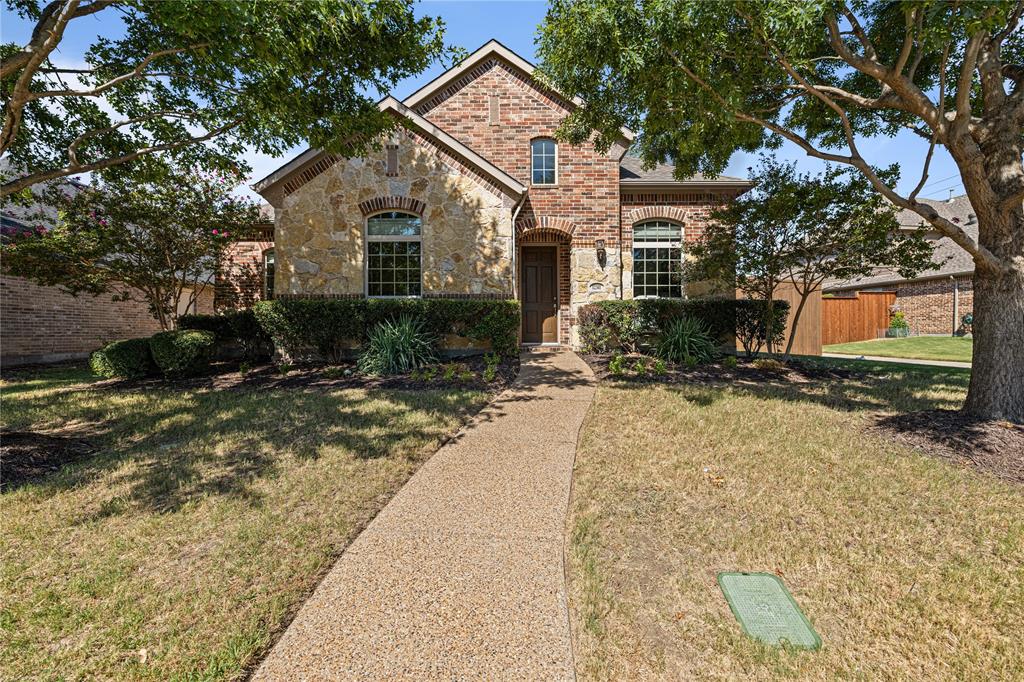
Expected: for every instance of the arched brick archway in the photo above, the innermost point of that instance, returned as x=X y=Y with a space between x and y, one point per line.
x=545 y=228
x=673 y=213
x=392 y=203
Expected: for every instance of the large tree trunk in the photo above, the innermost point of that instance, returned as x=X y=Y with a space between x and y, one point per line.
x=997 y=374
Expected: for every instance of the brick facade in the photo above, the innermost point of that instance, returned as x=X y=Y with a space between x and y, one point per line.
x=928 y=304
x=44 y=324
x=240 y=276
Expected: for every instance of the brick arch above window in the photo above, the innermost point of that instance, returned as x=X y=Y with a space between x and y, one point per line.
x=548 y=227
x=673 y=213
x=392 y=203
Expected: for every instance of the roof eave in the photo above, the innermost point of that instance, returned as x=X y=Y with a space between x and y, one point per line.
x=895 y=280
x=741 y=185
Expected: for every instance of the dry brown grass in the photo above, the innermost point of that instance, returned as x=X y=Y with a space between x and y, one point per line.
x=909 y=567
x=204 y=519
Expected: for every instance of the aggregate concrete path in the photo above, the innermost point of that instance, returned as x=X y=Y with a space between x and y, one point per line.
x=461 y=575
x=899 y=361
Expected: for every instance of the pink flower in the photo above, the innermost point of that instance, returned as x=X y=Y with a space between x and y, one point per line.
x=215 y=231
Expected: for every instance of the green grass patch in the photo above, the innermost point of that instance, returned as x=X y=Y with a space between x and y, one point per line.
x=951 y=348
x=909 y=567
x=202 y=522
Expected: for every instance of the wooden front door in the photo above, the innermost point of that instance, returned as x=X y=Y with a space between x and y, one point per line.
x=540 y=294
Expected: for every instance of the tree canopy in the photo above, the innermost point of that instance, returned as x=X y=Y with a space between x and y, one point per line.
x=205 y=78
x=153 y=237
x=701 y=79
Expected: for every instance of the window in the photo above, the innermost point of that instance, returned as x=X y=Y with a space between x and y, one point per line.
x=658 y=259
x=545 y=159
x=268 y=274
x=393 y=254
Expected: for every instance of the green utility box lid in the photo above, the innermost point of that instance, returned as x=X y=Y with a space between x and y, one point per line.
x=766 y=610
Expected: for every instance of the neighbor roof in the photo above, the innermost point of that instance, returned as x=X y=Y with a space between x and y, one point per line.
x=632 y=173
x=309 y=156
x=951 y=257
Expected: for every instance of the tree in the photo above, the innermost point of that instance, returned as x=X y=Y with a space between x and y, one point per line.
x=703 y=79
x=806 y=229
x=205 y=78
x=160 y=233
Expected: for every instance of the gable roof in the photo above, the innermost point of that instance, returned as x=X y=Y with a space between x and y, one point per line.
x=310 y=157
x=951 y=257
x=633 y=175
x=492 y=48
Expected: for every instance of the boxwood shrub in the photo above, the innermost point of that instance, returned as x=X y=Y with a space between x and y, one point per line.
x=127 y=359
x=235 y=331
x=628 y=325
x=182 y=352
x=330 y=328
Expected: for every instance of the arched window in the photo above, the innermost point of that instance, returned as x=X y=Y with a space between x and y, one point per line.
x=544 y=165
x=393 y=254
x=657 y=259
x=268 y=274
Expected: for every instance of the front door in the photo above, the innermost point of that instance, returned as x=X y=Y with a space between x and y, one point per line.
x=540 y=294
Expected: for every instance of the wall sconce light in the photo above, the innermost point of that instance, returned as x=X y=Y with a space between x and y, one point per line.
x=602 y=254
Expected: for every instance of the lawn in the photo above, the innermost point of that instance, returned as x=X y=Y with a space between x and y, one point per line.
x=202 y=521
x=908 y=566
x=952 y=348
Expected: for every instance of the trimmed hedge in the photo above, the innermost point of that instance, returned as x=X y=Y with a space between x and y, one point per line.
x=127 y=359
x=182 y=352
x=627 y=325
x=331 y=328
x=233 y=327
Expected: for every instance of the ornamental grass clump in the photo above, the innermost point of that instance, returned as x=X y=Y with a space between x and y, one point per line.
x=396 y=347
x=687 y=340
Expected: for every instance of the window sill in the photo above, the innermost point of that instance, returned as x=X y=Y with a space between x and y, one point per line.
x=554 y=186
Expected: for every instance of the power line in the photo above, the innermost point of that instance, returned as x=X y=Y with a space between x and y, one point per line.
x=935 y=182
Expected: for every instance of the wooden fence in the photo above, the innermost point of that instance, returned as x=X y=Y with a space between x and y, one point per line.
x=807 y=340
x=855 y=318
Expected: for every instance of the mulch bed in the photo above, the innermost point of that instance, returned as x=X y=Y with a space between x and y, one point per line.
x=745 y=370
x=227 y=377
x=27 y=456
x=996 y=447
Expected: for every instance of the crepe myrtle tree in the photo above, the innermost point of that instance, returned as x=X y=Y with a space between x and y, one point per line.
x=154 y=237
x=205 y=78
x=703 y=79
x=805 y=229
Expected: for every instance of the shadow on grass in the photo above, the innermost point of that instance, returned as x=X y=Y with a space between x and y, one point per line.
x=847 y=386
x=187 y=445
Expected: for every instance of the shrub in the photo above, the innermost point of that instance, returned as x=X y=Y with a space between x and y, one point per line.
x=234 y=327
x=609 y=326
x=640 y=367
x=617 y=364
x=127 y=359
x=769 y=365
x=687 y=340
x=730 y=361
x=491 y=361
x=660 y=368
x=898 y=325
x=330 y=328
x=182 y=352
x=397 y=346
x=753 y=327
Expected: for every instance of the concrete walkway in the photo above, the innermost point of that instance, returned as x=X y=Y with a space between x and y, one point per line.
x=901 y=361
x=461 y=575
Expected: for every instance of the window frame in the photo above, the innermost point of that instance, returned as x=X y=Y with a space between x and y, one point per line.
x=268 y=281
x=378 y=239
x=659 y=244
x=554 y=155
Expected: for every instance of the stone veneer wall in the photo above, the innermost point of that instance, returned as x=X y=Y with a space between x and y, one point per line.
x=928 y=304
x=467 y=224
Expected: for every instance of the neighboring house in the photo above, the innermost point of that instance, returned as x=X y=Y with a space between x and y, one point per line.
x=41 y=324
x=474 y=197
x=935 y=301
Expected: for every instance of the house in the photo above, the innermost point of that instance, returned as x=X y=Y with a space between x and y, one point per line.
x=40 y=324
x=474 y=197
x=936 y=301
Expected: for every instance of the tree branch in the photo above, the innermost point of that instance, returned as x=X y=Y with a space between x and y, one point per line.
x=35 y=178
x=73 y=147
x=48 y=21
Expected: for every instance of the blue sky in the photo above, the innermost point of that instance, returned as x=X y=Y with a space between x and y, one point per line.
x=471 y=23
